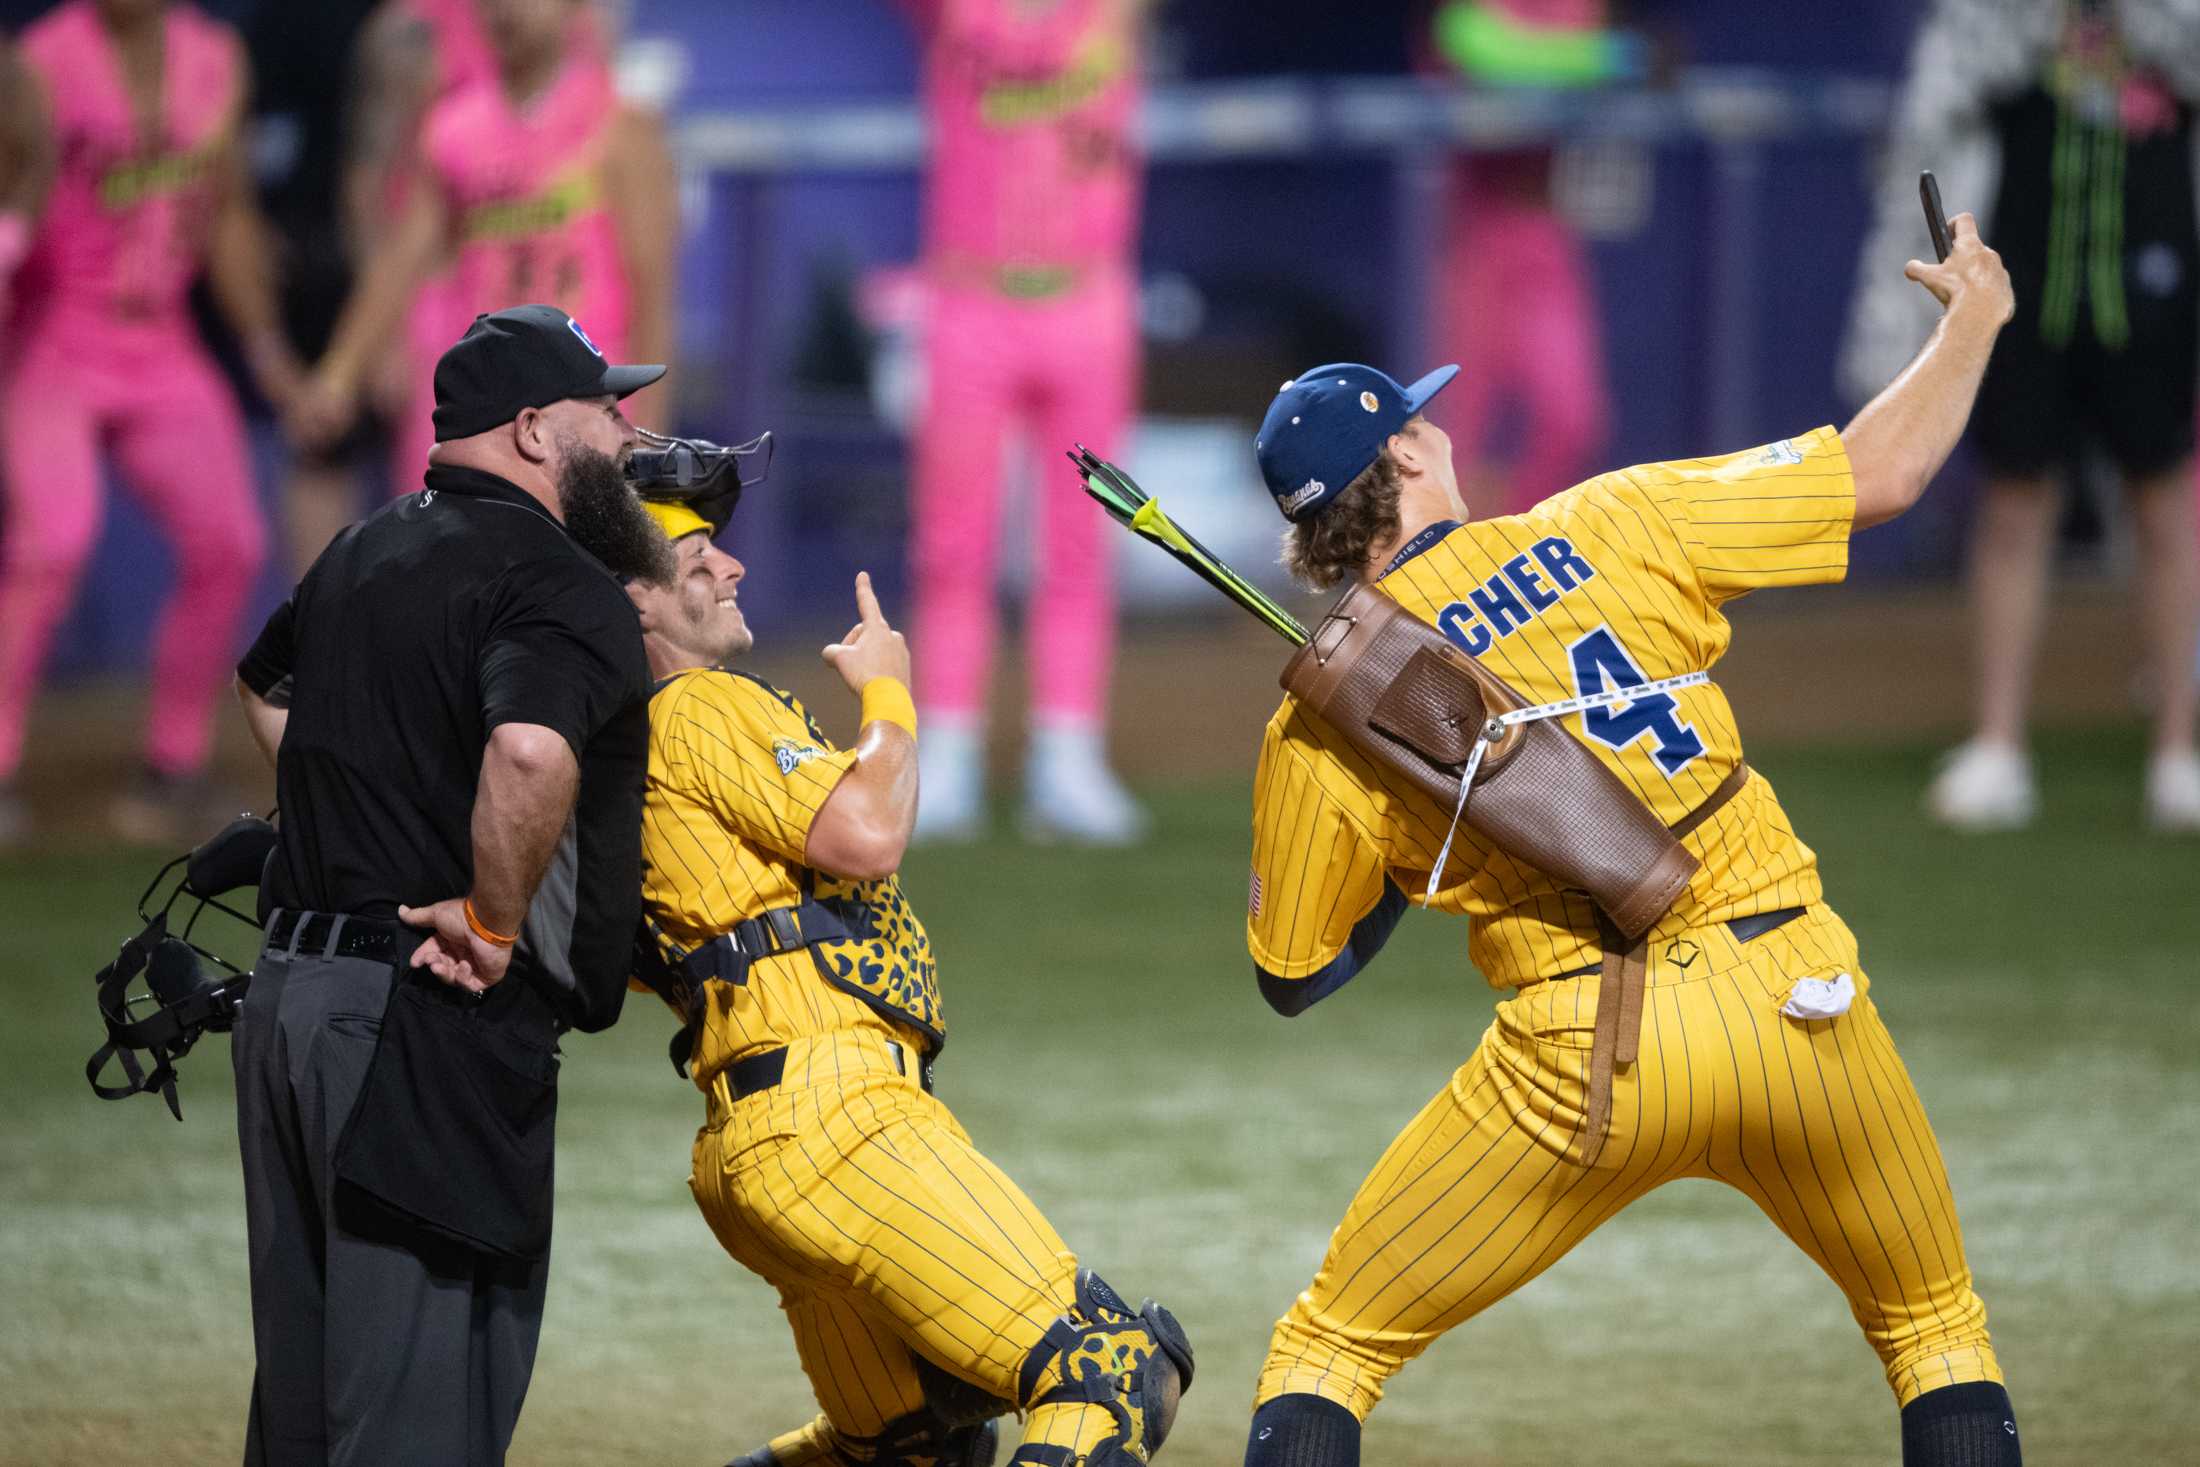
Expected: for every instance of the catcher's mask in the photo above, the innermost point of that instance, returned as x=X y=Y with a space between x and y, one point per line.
x=187 y=996
x=706 y=476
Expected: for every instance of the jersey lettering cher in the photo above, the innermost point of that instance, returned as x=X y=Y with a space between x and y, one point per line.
x=1524 y=587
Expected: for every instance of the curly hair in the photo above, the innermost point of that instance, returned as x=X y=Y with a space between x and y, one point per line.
x=1331 y=547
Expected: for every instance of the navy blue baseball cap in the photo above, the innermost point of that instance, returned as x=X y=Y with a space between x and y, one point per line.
x=1328 y=425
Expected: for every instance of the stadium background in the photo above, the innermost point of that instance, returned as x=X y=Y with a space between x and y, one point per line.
x=2038 y=983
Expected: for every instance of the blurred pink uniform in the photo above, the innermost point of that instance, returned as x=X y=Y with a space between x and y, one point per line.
x=465 y=58
x=104 y=359
x=1517 y=307
x=525 y=195
x=1031 y=232
x=1519 y=315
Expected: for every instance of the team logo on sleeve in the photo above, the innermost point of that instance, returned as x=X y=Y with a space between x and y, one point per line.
x=1774 y=454
x=790 y=756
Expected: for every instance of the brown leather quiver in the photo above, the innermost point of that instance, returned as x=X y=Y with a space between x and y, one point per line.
x=1408 y=699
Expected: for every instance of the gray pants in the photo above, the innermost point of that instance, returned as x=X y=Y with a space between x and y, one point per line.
x=375 y=1344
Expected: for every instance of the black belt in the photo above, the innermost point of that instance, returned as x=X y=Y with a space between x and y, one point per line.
x=307 y=934
x=745 y=1077
x=1745 y=929
x=1750 y=928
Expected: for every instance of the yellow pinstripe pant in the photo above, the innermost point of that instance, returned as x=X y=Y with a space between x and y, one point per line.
x=862 y=1200
x=1817 y=1123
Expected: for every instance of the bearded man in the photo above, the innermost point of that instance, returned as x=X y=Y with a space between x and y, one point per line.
x=454 y=699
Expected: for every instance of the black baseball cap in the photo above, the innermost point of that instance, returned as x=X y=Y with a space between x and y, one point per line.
x=524 y=357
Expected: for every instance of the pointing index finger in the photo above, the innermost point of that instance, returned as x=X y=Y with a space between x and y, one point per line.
x=866 y=600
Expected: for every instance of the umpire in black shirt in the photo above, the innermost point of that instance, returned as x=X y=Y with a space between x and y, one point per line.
x=455 y=701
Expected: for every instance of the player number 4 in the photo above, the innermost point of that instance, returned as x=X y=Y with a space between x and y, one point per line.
x=1600 y=663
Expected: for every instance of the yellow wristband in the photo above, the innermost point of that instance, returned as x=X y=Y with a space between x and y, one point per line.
x=481 y=929
x=885 y=697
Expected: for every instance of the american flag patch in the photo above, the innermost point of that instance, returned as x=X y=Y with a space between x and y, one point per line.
x=1253 y=904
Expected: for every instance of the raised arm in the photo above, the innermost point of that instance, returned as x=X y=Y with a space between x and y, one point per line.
x=863 y=827
x=1902 y=437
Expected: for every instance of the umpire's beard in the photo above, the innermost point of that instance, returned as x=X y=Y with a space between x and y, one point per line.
x=605 y=518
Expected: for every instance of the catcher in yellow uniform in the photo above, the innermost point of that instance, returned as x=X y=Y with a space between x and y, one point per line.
x=1761 y=1061
x=927 y=1295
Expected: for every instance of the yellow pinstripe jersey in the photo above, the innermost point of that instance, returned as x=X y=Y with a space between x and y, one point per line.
x=737 y=773
x=1614 y=582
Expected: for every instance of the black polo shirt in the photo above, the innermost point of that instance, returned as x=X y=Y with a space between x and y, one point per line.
x=418 y=631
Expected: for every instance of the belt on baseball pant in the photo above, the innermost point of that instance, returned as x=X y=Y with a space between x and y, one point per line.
x=1623 y=973
x=766 y=1068
x=336 y=935
x=1745 y=929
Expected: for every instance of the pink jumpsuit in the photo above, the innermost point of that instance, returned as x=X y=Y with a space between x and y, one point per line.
x=1030 y=241
x=104 y=362
x=1517 y=307
x=1519 y=315
x=471 y=111
x=462 y=56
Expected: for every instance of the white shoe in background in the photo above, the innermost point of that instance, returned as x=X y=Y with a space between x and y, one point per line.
x=1984 y=786
x=2173 y=792
x=950 y=780
x=1070 y=794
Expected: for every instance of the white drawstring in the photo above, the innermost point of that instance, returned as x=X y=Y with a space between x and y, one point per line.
x=1494 y=730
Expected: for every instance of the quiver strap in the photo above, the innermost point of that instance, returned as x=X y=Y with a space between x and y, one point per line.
x=1621 y=978
x=1403 y=695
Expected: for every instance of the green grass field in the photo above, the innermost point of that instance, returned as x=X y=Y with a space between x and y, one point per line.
x=2041 y=986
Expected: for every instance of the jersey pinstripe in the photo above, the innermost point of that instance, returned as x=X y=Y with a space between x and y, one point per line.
x=737 y=773
x=1616 y=581
x=884 y=1229
x=890 y=1237
x=1818 y=1124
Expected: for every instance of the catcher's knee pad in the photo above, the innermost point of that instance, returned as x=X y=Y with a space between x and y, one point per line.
x=1133 y=1363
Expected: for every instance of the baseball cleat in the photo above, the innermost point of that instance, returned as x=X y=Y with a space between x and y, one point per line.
x=1071 y=795
x=1984 y=786
x=950 y=781
x=2173 y=792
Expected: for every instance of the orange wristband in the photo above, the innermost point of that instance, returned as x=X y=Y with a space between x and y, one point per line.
x=885 y=697
x=494 y=939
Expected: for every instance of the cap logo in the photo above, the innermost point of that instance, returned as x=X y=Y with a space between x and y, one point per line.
x=1367 y=400
x=575 y=327
x=1304 y=495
